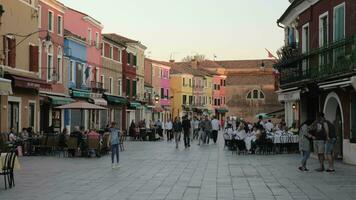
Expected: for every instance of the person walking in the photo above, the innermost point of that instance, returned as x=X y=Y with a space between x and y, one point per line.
x=304 y=144
x=169 y=127
x=329 y=145
x=206 y=127
x=215 y=124
x=196 y=128
x=321 y=131
x=177 y=129
x=114 y=140
x=186 y=129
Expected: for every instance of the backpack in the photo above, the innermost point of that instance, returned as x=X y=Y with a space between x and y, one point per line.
x=332 y=129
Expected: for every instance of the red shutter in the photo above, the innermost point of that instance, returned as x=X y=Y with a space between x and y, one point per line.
x=116 y=53
x=107 y=50
x=34 y=58
x=12 y=52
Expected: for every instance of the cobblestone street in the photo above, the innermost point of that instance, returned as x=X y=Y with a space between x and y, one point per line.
x=156 y=170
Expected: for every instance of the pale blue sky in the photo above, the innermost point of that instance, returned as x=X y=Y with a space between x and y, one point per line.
x=230 y=29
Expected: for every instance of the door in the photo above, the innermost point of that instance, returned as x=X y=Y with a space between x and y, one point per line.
x=13 y=116
x=44 y=117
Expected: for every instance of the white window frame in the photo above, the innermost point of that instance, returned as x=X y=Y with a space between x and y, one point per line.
x=334 y=21
x=49 y=53
x=90 y=36
x=35 y=113
x=321 y=36
x=111 y=85
x=39 y=10
x=97 y=40
x=50 y=29
x=60 y=64
x=304 y=47
x=119 y=85
x=60 y=25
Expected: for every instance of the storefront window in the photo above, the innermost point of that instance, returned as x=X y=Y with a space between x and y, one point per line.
x=56 y=120
x=13 y=116
x=31 y=115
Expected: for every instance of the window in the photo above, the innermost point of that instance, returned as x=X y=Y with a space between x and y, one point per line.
x=210 y=99
x=254 y=95
x=111 y=53
x=50 y=21
x=40 y=58
x=59 y=64
x=134 y=88
x=224 y=82
x=79 y=75
x=128 y=87
x=49 y=62
x=190 y=100
x=135 y=60
x=339 y=22
x=219 y=102
x=119 y=56
x=102 y=81
x=162 y=93
x=31 y=114
x=71 y=71
x=97 y=42
x=323 y=29
x=215 y=102
x=167 y=94
x=305 y=39
x=33 y=65
x=184 y=99
x=183 y=81
x=111 y=85
x=60 y=25
x=161 y=73
x=119 y=85
x=128 y=59
x=221 y=82
x=218 y=87
x=39 y=8
x=190 y=82
x=89 y=36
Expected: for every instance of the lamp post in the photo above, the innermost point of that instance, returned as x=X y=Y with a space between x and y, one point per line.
x=156 y=99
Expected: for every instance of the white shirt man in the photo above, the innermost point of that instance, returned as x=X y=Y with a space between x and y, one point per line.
x=269 y=126
x=169 y=125
x=215 y=124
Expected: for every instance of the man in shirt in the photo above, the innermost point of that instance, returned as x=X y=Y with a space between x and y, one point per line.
x=186 y=129
x=321 y=133
x=215 y=124
x=269 y=126
x=114 y=138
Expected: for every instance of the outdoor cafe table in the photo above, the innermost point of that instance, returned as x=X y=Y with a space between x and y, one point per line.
x=2 y=162
x=278 y=139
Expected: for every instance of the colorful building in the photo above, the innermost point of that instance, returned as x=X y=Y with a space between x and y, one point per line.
x=161 y=88
x=319 y=75
x=20 y=105
x=51 y=22
x=88 y=81
x=112 y=77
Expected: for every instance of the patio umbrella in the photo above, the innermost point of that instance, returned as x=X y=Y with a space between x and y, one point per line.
x=81 y=105
x=264 y=115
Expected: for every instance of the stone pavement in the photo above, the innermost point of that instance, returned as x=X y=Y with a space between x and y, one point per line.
x=156 y=170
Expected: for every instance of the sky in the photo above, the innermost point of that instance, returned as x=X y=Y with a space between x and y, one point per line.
x=229 y=29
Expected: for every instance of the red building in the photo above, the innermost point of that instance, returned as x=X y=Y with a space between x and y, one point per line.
x=318 y=67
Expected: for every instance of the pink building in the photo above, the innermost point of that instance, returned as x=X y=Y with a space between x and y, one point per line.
x=219 y=95
x=50 y=60
x=161 y=88
x=84 y=26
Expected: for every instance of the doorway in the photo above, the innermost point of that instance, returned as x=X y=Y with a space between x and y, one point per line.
x=13 y=116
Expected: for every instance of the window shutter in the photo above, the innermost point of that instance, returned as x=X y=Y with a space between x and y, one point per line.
x=4 y=39
x=34 y=58
x=12 y=52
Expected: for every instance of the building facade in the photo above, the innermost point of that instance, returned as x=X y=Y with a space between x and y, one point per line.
x=51 y=23
x=317 y=67
x=20 y=107
x=112 y=78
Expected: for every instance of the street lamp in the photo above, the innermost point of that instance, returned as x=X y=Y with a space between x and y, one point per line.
x=47 y=38
x=294 y=106
x=156 y=98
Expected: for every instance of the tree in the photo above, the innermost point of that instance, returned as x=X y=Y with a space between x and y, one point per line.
x=198 y=57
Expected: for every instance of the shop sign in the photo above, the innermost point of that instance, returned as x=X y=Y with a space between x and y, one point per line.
x=289 y=96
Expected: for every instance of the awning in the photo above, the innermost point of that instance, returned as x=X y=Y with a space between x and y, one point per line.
x=30 y=83
x=291 y=95
x=81 y=105
x=5 y=87
x=116 y=99
x=80 y=93
x=99 y=101
x=222 y=110
x=58 y=101
x=135 y=105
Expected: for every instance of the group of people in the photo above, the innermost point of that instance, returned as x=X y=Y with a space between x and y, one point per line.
x=322 y=134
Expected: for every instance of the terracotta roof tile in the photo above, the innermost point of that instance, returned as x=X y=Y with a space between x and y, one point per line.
x=231 y=64
x=118 y=38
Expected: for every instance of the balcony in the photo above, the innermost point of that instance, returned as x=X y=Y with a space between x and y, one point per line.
x=97 y=86
x=335 y=60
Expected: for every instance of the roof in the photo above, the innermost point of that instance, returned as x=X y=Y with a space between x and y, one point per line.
x=86 y=15
x=231 y=64
x=294 y=4
x=67 y=33
x=186 y=67
x=119 y=39
x=169 y=64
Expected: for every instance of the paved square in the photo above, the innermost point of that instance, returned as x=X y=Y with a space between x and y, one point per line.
x=156 y=170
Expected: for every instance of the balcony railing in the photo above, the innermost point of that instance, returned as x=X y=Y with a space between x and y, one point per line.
x=97 y=86
x=333 y=60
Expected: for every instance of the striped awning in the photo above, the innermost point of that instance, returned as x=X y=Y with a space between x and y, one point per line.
x=5 y=87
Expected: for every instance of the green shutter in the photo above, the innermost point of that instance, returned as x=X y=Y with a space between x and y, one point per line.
x=128 y=82
x=339 y=23
x=353 y=115
x=134 y=88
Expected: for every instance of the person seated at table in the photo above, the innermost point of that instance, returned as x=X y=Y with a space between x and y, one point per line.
x=93 y=135
x=240 y=132
x=24 y=134
x=250 y=139
x=12 y=136
x=269 y=126
x=293 y=129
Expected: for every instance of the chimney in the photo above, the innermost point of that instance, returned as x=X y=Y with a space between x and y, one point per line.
x=194 y=63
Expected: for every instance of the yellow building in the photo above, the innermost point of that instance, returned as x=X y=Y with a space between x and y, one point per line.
x=182 y=92
x=208 y=92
